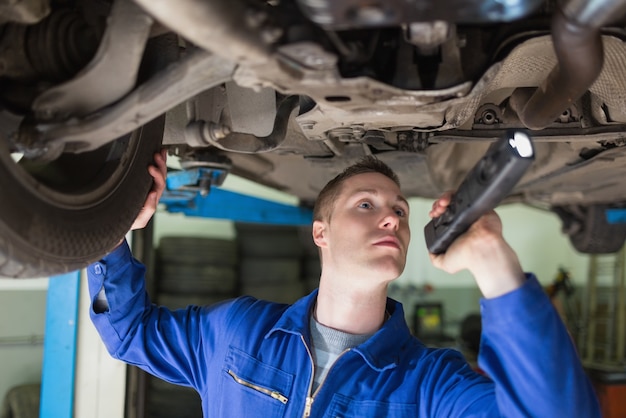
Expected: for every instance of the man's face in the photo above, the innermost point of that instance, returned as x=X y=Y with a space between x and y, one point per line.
x=368 y=232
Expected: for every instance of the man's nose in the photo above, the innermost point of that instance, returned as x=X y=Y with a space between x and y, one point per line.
x=391 y=220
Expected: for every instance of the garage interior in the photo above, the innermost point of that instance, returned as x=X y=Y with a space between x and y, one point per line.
x=52 y=363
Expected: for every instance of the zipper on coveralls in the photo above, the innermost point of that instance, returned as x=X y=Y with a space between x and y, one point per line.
x=274 y=394
x=311 y=397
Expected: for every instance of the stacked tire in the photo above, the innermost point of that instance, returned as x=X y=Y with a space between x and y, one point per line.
x=271 y=262
x=311 y=266
x=194 y=270
x=189 y=271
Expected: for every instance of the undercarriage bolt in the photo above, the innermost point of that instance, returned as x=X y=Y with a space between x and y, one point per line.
x=218 y=131
x=489 y=117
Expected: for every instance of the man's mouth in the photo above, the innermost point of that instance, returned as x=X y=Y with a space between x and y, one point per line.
x=388 y=242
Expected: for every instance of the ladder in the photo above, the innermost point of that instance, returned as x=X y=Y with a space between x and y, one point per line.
x=603 y=339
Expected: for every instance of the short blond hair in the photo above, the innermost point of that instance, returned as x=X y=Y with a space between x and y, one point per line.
x=323 y=209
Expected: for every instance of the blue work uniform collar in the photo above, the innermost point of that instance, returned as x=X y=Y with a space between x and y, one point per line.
x=378 y=351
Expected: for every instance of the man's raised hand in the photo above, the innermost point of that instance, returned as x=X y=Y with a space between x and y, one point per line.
x=482 y=250
x=158 y=171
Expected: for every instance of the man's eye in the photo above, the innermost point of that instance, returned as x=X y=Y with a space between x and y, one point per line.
x=365 y=205
x=401 y=213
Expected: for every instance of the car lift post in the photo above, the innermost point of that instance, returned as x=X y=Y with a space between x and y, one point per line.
x=59 y=357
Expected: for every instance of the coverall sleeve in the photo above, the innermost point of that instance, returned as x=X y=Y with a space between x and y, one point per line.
x=529 y=354
x=173 y=345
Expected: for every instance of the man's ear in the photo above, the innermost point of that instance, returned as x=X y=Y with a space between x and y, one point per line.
x=319 y=233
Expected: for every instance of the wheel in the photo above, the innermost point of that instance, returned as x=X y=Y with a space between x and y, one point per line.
x=60 y=216
x=268 y=240
x=197 y=279
x=168 y=400
x=255 y=270
x=588 y=230
x=197 y=250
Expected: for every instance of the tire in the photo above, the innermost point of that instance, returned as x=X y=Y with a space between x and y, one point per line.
x=63 y=215
x=270 y=270
x=197 y=279
x=310 y=284
x=588 y=230
x=166 y=400
x=268 y=241
x=305 y=235
x=311 y=268
x=195 y=250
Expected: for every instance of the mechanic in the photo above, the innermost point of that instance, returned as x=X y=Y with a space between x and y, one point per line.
x=345 y=350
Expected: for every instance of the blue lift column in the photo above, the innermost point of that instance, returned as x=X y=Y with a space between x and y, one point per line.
x=59 y=348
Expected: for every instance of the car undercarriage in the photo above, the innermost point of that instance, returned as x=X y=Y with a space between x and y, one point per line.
x=287 y=93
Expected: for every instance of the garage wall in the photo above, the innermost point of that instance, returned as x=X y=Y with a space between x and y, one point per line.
x=22 y=321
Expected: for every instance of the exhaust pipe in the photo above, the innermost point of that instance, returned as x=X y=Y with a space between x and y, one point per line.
x=580 y=57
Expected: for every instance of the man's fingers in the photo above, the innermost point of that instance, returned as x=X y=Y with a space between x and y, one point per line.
x=158 y=171
x=159 y=179
x=440 y=205
x=161 y=161
x=147 y=211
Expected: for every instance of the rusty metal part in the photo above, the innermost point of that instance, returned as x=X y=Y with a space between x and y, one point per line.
x=578 y=46
x=209 y=23
x=111 y=74
x=28 y=12
x=305 y=68
x=301 y=68
x=194 y=73
x=225 y=140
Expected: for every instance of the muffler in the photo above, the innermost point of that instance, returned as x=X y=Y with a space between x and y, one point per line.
x=580 y=56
